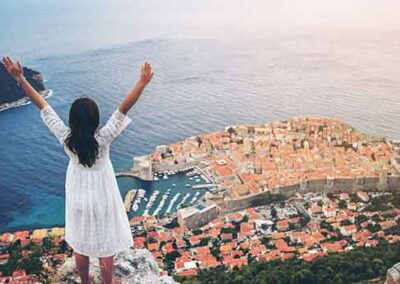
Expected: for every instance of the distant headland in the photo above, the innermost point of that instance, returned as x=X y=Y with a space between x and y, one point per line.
x=11 y=95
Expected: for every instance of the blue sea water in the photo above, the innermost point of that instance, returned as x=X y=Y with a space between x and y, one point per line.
x=210 y=72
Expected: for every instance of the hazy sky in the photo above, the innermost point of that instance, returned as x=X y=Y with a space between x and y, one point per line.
x=88 y=24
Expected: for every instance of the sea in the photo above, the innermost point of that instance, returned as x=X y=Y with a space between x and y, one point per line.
x=217 y=63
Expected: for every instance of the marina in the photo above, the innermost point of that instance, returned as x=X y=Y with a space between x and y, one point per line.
x=165 y=194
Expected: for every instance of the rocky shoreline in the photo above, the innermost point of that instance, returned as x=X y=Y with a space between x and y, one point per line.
x=24 y=101
x=12 y=96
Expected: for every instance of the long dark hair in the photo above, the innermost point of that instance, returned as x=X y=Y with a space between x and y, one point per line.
x=83 y=122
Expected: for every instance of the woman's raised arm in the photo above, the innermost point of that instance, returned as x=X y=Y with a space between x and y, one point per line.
x=17 y=72
x=146 y=73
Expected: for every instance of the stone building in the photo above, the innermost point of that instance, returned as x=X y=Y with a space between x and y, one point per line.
x=142 y=167
x=199 y=215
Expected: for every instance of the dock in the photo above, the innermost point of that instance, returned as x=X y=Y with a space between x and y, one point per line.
x=206 y=185
x=126 y=174
x=129 y=198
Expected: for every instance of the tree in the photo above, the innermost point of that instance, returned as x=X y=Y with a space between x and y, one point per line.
x=304 y=276
x=342 y=204
x=274 y=213
x=170 y=259
x=63 y=247
x=229 y=231
x=33 y=264
x=199 y=141
x=361 y=218
x=14 y=250
x=197 y=232
x=352 y=266
x=47 y=244
x=231 y=130
x=204 y=241
x=173 y=224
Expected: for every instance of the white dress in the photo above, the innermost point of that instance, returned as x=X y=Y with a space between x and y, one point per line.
x=96 y=223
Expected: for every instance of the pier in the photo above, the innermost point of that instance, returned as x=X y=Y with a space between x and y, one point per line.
x=128 y=199
x=207 y=185
x=126 y=174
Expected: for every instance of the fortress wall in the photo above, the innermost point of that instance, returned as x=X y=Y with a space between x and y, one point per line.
x=343 y=184
x=289 y=190
x=243 y=203
x=315 y=185
x=393 y=182
x=370 y=182
x=318 y=185
x=175 y=167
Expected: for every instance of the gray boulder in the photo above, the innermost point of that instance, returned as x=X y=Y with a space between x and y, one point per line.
x=393 y=274
x=131 y=267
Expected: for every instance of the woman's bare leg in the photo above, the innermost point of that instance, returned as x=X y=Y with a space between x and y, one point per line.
x=82 y=264
x=107 y=269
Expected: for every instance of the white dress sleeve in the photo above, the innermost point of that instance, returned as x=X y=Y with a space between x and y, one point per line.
x=54 y=123
x=113 y=127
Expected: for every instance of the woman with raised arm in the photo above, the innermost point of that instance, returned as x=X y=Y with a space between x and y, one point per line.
x=96 y=224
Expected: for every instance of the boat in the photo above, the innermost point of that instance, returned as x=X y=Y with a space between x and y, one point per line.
x=188 y=184
x=138 y=198
x=187 y=195
x=156 y=178
x=150 y=202
x=160 y=205
x=165 y=176
x=205 y=185
x=191 y=173
x=174 y=184
x=194 y=199
x=171 y=204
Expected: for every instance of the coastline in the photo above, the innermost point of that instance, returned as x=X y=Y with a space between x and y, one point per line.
x=238 y=185
x=24 y=101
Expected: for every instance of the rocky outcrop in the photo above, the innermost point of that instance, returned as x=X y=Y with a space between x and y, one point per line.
x=131 y=267
x=393 y=274
x=11 y=95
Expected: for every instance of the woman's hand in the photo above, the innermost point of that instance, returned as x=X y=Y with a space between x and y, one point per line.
x=14 y=69
x=146 y=73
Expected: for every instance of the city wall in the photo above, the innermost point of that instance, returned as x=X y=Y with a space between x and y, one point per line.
x=327 y=185
x=175 y=167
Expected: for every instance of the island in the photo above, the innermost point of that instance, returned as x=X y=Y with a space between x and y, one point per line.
x=13 y=96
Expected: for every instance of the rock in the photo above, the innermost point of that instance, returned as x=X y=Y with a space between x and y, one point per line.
x=11 y=93
x=131 y=267
x=393 y=274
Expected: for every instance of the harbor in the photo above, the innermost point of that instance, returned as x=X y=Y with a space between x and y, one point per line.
x=163 y=196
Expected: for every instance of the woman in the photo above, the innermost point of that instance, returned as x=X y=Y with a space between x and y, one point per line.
x=96 y=224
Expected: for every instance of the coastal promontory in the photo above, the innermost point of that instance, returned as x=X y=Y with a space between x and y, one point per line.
x=11 y=95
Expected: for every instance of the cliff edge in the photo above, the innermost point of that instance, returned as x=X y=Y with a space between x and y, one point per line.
x=131 y=267
x=393 y=274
